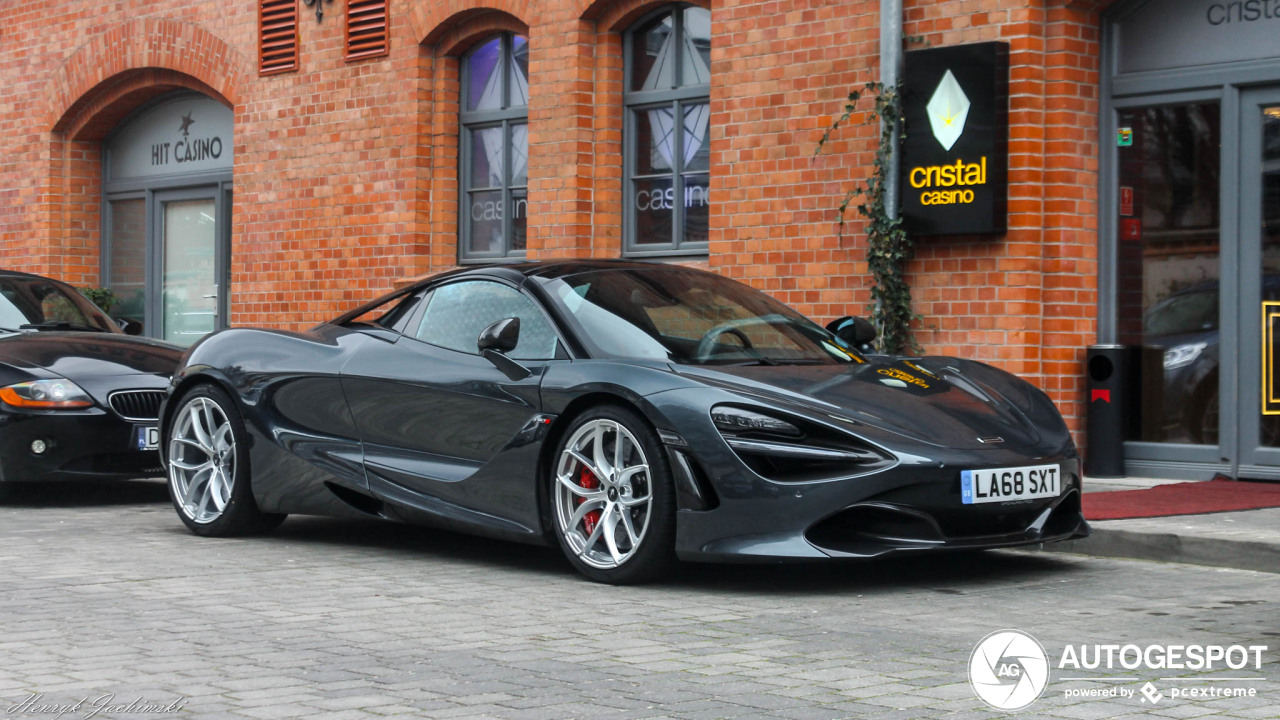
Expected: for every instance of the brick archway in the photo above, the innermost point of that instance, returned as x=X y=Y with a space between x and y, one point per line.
x=107 y=78
x=140 y=51
x=432 y=21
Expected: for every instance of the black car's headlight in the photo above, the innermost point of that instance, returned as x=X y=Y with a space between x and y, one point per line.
x=56 y=394
x=794 y=450
x=1182 y=355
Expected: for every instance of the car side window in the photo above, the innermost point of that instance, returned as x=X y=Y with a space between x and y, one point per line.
x=456 y=313
x=393 y=313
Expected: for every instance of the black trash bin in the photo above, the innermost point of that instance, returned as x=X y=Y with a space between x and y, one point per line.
x=1106 y=421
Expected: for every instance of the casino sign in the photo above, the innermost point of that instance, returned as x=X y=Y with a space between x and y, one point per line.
x=954 y=170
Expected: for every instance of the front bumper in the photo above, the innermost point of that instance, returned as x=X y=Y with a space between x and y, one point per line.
x=90 y=444
x=904 y=509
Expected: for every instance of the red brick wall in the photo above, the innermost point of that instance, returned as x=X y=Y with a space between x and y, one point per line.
x=1026 y=301
x=345 y=173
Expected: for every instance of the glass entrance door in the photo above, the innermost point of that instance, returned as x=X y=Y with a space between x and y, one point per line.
x=191 y=265
x=1259 y=218
x=1170 y=260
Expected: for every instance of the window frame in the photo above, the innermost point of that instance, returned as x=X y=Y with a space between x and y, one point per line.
x=677 y=98
x=471 y=121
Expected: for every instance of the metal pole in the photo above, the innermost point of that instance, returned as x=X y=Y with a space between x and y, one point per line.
x=890 y=72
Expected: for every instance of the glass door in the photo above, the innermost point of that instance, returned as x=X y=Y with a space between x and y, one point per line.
x=1259 y=218
x=127 y=267
x=191 y=267
x=1170 y=262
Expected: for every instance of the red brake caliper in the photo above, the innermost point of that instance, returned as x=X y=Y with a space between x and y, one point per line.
x=589 y=482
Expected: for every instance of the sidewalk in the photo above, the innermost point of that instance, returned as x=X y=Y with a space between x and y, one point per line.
x=1246 y=540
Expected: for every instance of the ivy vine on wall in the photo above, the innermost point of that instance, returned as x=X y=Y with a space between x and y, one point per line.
x=889 y=248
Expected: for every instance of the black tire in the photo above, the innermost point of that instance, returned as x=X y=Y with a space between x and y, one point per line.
x=239 y=514
x=6 y=489
x=616 y=496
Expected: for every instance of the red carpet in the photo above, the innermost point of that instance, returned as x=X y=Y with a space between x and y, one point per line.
x=1193 y=498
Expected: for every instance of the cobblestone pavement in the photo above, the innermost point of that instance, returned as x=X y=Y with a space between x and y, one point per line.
x=107 y=600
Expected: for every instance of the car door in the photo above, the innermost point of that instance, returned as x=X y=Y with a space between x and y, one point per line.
x=440 y=424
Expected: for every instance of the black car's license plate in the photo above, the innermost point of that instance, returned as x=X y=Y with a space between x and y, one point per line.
x=146 y=437
x=1013 y=483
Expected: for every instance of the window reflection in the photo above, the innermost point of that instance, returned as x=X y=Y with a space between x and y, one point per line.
x=1270 y=237
x=128 y=250
x=495 y=142
x=669 y=156
x=1168 y=268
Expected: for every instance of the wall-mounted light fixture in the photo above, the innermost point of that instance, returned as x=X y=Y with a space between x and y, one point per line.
x=319 y=6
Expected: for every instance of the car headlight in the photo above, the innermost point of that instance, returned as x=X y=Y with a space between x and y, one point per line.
x=794 y=450
x=46 y=395
x=1182 y=355
x=736 y=420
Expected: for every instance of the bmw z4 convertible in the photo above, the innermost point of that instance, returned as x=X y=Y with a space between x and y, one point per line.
x=631 y=413
x=79 y=399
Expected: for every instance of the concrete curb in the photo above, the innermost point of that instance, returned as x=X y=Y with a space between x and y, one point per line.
x=1169 y=547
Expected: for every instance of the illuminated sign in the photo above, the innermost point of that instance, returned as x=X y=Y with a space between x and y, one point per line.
x=954 y=171
x=1270 y=341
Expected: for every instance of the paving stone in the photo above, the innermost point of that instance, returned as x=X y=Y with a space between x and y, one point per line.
x=326 y=619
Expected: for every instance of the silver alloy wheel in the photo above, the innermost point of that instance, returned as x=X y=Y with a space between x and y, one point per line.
x=603 y=494
x=202 y=460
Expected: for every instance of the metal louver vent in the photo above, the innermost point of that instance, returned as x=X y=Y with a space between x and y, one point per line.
x=277 y=36
x=366 y=29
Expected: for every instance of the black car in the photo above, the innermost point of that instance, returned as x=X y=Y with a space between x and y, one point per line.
x=1183 y=328
x=631 y=413
x=79 y=399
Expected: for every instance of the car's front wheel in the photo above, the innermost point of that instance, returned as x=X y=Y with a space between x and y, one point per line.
x=613 y=507
x=206 y=452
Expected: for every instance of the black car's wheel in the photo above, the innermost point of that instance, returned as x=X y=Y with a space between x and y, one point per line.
x=208 y=465
x=5 y=490
x=1203 y=423
x=613 y=507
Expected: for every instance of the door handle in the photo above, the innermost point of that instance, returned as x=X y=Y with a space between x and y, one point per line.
x=217 y=311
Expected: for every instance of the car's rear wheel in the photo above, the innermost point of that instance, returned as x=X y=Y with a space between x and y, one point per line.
x=1203 y=426
x=208 y=466
x=613 y=507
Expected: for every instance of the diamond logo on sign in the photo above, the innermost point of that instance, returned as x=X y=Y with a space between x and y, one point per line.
x=948 y=109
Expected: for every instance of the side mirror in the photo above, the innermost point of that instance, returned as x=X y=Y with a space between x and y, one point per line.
x=499 y=339
x=502 y=336
x=856 y=331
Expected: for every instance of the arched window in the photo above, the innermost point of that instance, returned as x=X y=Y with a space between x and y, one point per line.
x=494 y=149
x=667 y=163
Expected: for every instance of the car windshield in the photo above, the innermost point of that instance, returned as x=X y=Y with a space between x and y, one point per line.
x=690 y=317
x=1187 y=312
x=34 y=303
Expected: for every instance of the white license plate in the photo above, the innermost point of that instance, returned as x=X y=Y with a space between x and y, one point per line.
x=1014 y=483
x=146 y=437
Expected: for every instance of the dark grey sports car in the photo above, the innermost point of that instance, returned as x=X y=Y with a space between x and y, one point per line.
x=79 y=399
x=633 y=413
